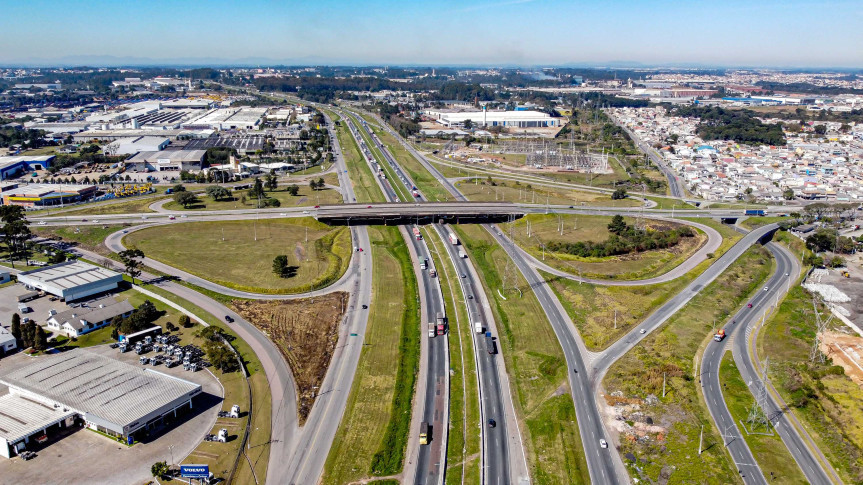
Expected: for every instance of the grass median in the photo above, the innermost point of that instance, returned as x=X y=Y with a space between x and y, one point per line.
x=373 y=434
x=661 y=431
x=535 y=363
x=242 y=252
x=365 y=187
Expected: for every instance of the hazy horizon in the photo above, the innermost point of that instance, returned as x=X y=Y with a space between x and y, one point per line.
x=618 y=33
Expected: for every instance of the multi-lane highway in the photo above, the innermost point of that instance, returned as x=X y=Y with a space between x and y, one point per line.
x=674 y=183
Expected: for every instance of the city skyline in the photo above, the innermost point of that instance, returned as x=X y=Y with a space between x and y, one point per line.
x=512 y=33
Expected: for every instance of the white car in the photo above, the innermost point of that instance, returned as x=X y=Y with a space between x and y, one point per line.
x=183 y=216
x=765 y=288
x=642 y=331
x=283 y=214
x=42 y=223
x=603 y=443
x=305 y=212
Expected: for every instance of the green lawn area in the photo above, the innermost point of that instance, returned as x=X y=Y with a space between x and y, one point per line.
x=398 y=187
x=755 y=222
x=373 y=431
x=91 y=238
x=544 y=229
x=480 y=189
x=227 y=253
x=769 y=450
x=535 y=364
x=365 y=186
x=130 y=205
x=670 y=352
x=826 y=401
x=463 y=443
x=306 y=197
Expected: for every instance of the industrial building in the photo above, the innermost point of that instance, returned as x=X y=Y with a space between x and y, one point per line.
x=167 y=161
x=109 y=396
x=44 y=195
x=71 y=280
x=16 y=166
x=229 y=119
x=131 y=146
x=7 y=342
x=486 y=118
x=75 y=322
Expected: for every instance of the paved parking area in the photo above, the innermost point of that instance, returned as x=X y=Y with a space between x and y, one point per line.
x=39 y=306
x=85 y=457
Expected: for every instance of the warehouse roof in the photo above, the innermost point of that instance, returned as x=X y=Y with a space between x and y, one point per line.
x=99 y=311
x=69 y=274
x=20 y=416
x=88 y=382
x=172 y=155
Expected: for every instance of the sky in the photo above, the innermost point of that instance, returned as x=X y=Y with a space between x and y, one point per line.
x=765 y=33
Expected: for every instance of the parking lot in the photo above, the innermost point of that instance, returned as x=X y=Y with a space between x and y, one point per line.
x=39 y=306
x=85 y=457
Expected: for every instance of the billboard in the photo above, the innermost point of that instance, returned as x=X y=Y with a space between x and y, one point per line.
x=195 y=471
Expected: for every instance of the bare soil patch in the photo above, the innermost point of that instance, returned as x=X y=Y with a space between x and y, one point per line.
x=306 y=332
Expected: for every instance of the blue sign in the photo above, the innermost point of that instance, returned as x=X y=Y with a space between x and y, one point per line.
x=195 y=471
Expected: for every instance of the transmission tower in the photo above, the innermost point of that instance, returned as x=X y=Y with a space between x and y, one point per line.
x=815 y=353
x=757 y=416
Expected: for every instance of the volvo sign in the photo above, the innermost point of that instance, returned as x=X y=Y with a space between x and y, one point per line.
x=195 y=471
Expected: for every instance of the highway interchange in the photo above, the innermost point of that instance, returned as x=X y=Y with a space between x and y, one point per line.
x=297 y=454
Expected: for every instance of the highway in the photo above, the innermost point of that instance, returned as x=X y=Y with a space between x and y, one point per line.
x=674 y=183
x=497 y=466
x=427 y=464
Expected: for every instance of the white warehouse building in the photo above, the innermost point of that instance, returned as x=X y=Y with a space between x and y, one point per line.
x=486 y=118
x=71 y=280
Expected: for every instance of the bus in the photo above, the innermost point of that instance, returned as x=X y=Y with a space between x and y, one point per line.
x=424 y=433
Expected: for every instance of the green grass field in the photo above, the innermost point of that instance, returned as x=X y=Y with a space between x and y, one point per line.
x=480 y=189
x=131 y=205
x=369 y=410
x=669 y=353
x=306 y=197
x=227 y=253
x=826 y=401
x=769 y=450
x=544 y=229
x=535 y=363
x=365 y=186
x=91 y=238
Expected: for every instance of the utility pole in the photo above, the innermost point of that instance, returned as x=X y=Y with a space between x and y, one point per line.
x=615 y=318
x=663 y=384
x=700 y=439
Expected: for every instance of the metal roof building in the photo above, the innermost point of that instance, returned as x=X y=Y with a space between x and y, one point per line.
x=21 y=418
x=112 y=396
x=71 y=280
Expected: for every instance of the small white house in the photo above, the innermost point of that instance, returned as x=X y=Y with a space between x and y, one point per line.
x=78 y=321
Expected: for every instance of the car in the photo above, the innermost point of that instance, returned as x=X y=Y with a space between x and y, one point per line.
x=144 y=218
x=42 y=223
x=317 y=207
x=642 y=331
x=171 y=218
x=365 y=307
x=749 y=305
x=83 y=220
x=283 y=214
x=470 y=297
x=95 y=220
x=765 y=288
x=368 y=207
x=228 y=318
x=183 y=216
x=603 y=443
x=787 y=274
x=41 y=438
x=305 y=212
x=491 y=423
x=463 y=275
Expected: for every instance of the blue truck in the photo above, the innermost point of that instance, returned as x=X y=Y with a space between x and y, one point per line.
x=754 y=212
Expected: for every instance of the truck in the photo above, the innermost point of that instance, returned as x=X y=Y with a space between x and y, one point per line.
x=719 y=335
x=754 y=212
x=462 y=254
x=423 y=264
x=416 y=193
x=441 y=325
x=477 y=327
x=433 y=273
x=489 y=343
x=453 y=239
x=417 y=234
x=431 y=330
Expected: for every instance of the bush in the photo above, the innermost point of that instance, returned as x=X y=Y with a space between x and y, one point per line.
x=185 y=321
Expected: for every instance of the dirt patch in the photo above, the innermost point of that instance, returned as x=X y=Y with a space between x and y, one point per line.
x=847 y=351
x=306 y=332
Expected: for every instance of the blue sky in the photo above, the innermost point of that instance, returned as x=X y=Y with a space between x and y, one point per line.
x=524 y=32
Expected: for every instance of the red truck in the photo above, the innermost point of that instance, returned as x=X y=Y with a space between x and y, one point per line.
x=417 y=233
x=719 y=335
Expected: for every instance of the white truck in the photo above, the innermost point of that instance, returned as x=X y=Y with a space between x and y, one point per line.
x=453 y=239
x=431 y=330
x=477 y=326
x=462 y=254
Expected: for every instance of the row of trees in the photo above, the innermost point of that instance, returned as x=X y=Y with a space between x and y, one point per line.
x=15 y=231
x=726 y=124
x=29 y=334
x=140 y=319
x=624 y=239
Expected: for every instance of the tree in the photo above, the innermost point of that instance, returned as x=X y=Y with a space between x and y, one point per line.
x=468 y=124
x=185 y=199
x=280 y=265
x=820 y=241
x=15 y=229
x=217 y=192
x=820 y=129
x=788 y=194
x=257 y=189
x=293 y=190
x=40 y=341
x=321 y=183
x=131 y=259
x=617 y=225
x=619 y=194
x=185 y=321
x=272 y=182
x=159 y=469
x=179 y=187
x=15 y=329
x=313 y=184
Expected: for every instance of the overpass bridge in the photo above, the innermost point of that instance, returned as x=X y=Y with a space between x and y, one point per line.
x=414 y=213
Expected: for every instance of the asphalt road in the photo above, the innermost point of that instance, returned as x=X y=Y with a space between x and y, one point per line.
x=787 y=270
x=674 y=183
x=496 y=441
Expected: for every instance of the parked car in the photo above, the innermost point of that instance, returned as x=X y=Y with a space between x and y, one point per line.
x=228 y=319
